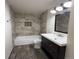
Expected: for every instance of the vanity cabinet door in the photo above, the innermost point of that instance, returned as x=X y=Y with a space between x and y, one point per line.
x=61 y=52
x=44 y=44
x=52 y=50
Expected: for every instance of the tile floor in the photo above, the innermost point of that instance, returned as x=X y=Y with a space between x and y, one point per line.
x=27 y=52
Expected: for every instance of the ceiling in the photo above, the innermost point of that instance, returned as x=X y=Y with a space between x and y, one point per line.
x=35 y=7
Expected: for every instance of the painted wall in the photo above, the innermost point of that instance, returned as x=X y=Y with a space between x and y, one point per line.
x=8 y=32
x=22 y=30
x=70 y=45
x=13 y=26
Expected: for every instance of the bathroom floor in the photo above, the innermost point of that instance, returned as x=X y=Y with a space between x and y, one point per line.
x=27 y=52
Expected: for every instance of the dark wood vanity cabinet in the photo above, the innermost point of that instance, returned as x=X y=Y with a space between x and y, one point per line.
x=52 y=50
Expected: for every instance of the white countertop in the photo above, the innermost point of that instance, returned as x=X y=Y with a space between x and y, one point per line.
x=59 y=39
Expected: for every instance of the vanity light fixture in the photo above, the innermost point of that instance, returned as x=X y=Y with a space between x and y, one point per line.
x=67 y=4
x=53 y=11
x=59 y=8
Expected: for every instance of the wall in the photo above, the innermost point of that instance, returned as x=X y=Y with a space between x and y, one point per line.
x=70 y=45
x=50 y=23
x=22 y=30
x=43 y=18
x=47 y=22
x=8 y=32
x=13 y=26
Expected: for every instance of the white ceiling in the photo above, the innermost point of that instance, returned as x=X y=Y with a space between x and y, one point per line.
x=33 y=6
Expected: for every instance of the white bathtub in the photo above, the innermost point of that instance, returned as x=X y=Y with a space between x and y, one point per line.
x=23 y=40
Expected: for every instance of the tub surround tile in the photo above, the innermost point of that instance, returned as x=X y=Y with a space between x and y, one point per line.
x=22 y=30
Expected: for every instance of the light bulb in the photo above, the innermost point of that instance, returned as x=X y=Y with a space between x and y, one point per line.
x=68 y=4
x=53 y=11
x=59 y=8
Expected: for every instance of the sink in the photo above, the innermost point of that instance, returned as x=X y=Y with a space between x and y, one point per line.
x=60 y=35
x=59 y=39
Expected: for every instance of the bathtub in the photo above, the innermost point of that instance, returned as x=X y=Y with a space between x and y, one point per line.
x=24 y=40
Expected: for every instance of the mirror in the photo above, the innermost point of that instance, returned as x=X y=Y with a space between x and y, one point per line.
x=61 y=22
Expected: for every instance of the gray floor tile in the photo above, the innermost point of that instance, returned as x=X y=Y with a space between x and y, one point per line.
x=27 y=52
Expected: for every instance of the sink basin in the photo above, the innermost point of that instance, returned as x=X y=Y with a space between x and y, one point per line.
x=60 y=35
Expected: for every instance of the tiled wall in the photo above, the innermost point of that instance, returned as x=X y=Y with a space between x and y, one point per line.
x=43 y=18
x=22 y=30
x=47 y=22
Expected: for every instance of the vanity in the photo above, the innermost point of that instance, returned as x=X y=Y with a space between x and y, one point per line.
x=54 y=45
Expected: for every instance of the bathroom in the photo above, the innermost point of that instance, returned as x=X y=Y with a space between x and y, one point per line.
x=37 y=29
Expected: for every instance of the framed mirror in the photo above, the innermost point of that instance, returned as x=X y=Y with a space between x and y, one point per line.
x=61 y=22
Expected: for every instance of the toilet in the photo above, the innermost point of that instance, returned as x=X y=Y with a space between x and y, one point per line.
x=37 y=43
